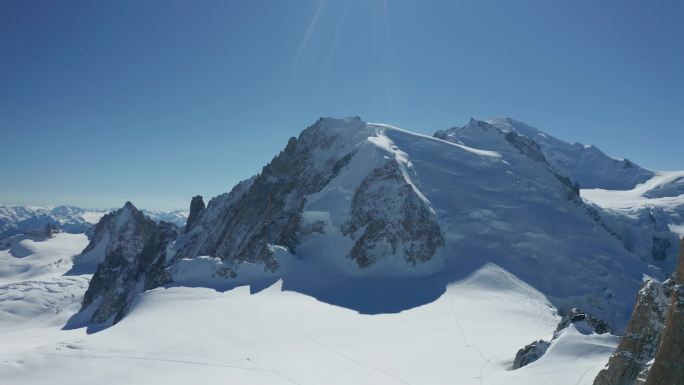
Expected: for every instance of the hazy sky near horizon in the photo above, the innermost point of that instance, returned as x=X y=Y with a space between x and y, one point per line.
x=157 y=101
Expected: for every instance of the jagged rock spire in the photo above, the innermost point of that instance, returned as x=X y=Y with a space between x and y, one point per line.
x=196 y=209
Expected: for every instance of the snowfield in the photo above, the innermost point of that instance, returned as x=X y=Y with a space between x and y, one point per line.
x=26 y=258
x=665 y=190
x=506 y=238
x=183 y=335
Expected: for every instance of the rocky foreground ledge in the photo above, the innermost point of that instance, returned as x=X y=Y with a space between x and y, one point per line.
x=652 y=350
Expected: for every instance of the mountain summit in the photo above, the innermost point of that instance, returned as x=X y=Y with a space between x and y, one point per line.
x=380 y=219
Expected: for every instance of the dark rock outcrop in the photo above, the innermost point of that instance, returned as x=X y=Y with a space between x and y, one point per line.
x=583 y=322
x=652 y=350
x=639 y=344
x=394 y=219
x=668 y=367
x=196 y=209
x=530 y=353
x=134 y=248
x=48 y=231
x=267 y=210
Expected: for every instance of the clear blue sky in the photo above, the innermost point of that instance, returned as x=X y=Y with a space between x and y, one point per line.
x=156 y=101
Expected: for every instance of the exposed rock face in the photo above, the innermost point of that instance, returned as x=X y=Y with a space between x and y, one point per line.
x=530 y=353
x=639 y=344
x=196 y=209
x=391 y=218
x=583 y=322
x=48 y=231
x=652 y=350
x=268 y=210
x=668 y=367
x=134 y=256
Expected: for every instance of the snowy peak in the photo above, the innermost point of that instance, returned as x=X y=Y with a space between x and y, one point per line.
x=347 y=203
x=584 y=164
x=129 y=249
x=484 y=135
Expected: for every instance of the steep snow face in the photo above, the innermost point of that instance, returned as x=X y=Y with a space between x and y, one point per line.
x=584 y=164
x=649 y=218
x=365 y=212
x=468 y=335
x=524 y=214
x=642 y=208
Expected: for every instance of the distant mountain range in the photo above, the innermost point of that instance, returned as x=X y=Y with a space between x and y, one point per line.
x=21 y=219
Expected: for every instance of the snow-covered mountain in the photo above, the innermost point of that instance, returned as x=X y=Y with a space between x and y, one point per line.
x=649 y=218
x=349 y=207
x=22 y=219
x=643 y=208
x=182 y=335
x=584 y=164
x=443 y=256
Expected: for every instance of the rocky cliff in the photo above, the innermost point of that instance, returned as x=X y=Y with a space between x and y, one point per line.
x=668 y=367
x=133 y=248
x=583 y=322
x=652 y=349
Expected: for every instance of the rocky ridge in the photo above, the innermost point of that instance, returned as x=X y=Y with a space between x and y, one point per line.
x=652 y=349
x=359 y=199
x=134 y=249
x=583 y=322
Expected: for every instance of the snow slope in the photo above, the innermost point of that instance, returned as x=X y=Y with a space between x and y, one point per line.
x=379 y=219
x=643 y=208
x=25 y=258
x=184 y=335
x=665 y=190
x=582 y=163
x=517 y=242
x=649 y=217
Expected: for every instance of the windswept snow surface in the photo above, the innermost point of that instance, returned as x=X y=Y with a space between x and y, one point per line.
x=493 y=204
x=184 y=335
x=665 y=190
x=583 y=163
x=25 y=258
x=649 y=218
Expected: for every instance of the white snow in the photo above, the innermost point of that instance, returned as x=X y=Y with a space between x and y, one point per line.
x=585 y=164
x=93 y=216
x=509 y=231
x=185 y=335
x=640 y=196
x=653 y=209
x=33 y=259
